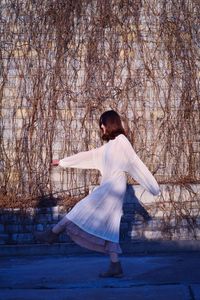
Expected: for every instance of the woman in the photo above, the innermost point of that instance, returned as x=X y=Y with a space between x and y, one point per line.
x=94 y=222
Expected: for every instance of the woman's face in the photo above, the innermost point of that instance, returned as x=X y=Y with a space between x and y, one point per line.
x=103 y=128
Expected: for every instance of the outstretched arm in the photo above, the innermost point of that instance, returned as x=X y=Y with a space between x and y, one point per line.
x=83 y=160
x=137 y=169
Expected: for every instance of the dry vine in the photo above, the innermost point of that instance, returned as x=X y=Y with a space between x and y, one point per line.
x=64 y=62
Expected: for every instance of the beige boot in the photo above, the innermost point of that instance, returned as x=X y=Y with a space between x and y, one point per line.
x=115 y=270
x=47 y=236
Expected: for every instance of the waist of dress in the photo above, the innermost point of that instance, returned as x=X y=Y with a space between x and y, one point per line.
x=115 y=175
x=115 y=182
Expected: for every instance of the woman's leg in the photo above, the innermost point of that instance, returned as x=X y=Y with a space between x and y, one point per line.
x=114 y=257
x=50 y=235
x=60 y=226
x=115 y=268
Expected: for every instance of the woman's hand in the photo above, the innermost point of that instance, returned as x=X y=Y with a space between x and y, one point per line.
x=55 y=162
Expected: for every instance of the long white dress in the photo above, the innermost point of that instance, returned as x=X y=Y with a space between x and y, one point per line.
x=99 y=213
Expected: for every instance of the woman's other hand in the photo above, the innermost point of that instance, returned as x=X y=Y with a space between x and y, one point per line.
x=55 y=162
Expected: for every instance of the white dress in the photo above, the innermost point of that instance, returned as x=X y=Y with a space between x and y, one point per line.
x=100 y=212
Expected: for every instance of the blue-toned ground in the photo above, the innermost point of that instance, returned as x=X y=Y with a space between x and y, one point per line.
x=163 y=277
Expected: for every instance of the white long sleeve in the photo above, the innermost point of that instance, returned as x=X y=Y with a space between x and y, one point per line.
x=137 y=169
x=83 y=160
x=100 y=212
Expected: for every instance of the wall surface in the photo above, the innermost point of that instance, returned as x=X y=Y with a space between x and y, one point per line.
x=145 y=218
x=65 y=62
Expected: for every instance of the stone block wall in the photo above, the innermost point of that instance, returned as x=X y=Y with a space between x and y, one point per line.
x=144 y=218
x=17 y=225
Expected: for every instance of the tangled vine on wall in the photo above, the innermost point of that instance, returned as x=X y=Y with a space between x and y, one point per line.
x=64 y=62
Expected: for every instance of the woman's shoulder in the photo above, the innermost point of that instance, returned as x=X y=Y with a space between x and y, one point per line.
x=125 y=143
x=122 y=138
x=121 y=141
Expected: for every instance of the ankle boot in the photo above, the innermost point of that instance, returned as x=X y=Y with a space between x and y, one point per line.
x=114 y=270
x=47 y=236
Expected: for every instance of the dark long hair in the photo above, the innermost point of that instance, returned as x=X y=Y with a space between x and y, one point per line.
x=112 y=122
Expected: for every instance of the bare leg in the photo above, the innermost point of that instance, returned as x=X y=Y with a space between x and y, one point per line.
x=50 y=235
x=60 y=226
x=114 y=257
x=115 y=268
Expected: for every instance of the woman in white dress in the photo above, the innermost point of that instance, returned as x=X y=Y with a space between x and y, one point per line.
x=94 y=221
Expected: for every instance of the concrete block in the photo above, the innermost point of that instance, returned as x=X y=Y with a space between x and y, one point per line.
x=15 y=219
x=154 y=224
x=44 y=210
x=55 y=210
x=135 y=234
x=55 y=213
x=40 y=227
x=4 y=238
x=43 y=218
x=136 y=229
x=150 y=235
x=16 y=211
x=6 y=217
x=138 y=217
x=28 y=228
x=11 y=228
x=137 y=223
x=21 y=238
x=30 y=211
x=2 y=228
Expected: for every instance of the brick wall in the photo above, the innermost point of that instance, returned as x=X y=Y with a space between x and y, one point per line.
x=145 y=218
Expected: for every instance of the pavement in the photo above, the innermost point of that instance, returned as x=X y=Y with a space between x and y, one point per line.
x=174 y=276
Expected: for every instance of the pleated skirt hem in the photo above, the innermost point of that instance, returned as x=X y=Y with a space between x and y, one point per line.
x=89 y=241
